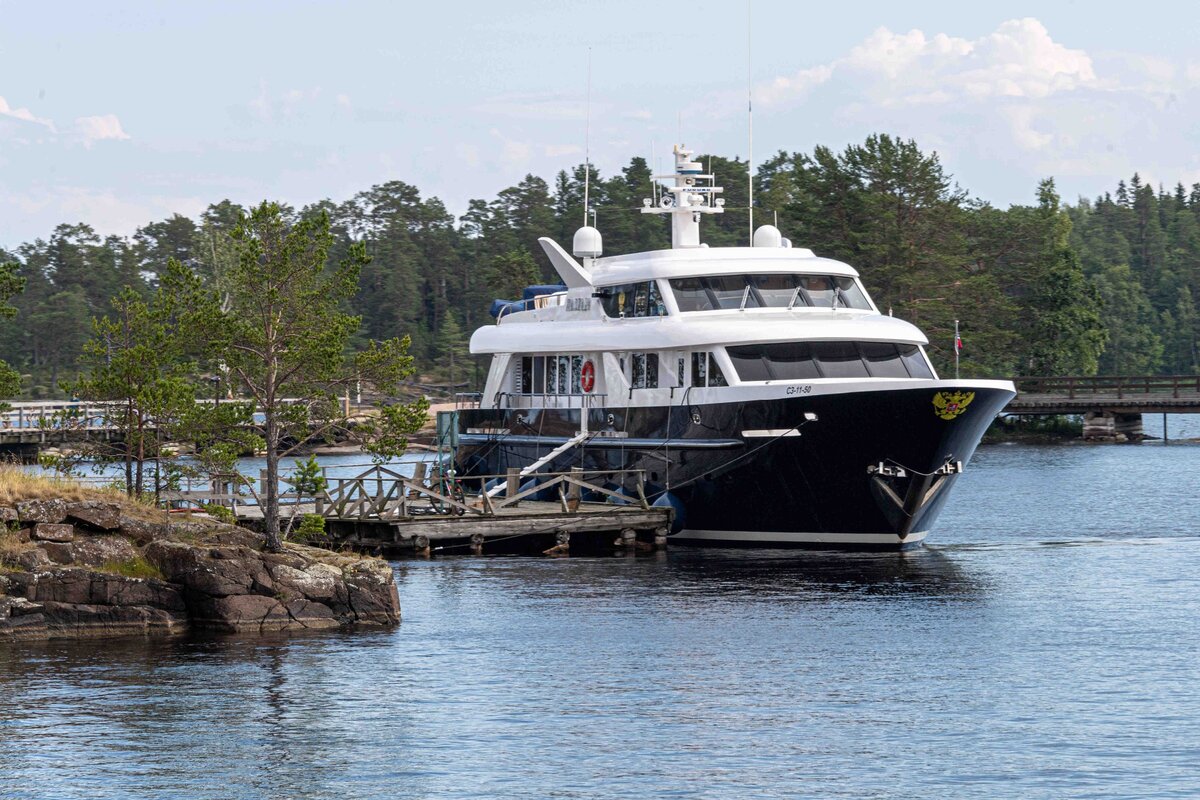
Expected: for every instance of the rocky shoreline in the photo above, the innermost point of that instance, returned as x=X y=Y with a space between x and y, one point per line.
x=95 y=568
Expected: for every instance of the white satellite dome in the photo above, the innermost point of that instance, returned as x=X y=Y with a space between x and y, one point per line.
x=588 y=242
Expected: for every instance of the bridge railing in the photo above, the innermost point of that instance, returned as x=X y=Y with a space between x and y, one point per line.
x=1120 y=385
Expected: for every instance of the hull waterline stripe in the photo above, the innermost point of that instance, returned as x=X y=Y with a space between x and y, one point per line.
x=796 y=537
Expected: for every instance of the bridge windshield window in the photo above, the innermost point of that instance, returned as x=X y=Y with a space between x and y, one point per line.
x=771 y=290
x=840 y=360
x=851 y=294
x=691 y=294
x=883 y=360
x=805 y=360
x=632 y=300
x=914 y=359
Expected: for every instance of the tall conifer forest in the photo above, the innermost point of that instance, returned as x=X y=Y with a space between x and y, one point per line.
x=1103 y=285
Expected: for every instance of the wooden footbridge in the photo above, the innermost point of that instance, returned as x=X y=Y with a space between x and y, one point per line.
x=1111 y=406
x=429 y=511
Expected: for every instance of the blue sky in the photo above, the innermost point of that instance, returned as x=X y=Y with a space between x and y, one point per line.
x=118 y=114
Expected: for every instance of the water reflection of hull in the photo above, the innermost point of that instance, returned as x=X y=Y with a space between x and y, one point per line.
x=872 y=470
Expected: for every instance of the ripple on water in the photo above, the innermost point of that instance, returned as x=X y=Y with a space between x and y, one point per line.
x=1043 y=645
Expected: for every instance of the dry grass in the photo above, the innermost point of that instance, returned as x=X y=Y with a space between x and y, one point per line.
x=16 y=485
x=11 y=546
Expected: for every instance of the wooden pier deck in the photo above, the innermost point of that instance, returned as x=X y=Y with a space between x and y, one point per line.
x=383 y=510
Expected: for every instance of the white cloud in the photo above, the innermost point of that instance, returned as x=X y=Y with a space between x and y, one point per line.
x=94 y=129
x=558 y=150
x=104 y=210
x=1018 y=59
x=1021 y=124
x=1014 y=101
x=24 y=114
x=540 y=107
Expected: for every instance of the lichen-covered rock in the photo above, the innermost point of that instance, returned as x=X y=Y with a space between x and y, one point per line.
x=215 y=571
x=78 y=620
x=53 y=532
x=34 y=560
x=8 y=515
x=95 y=514
x=142 y=531
x=214 y=576
x=59 y=552
x=315 y=582
x=96 y=551
x=249 y=613
x=49 y=510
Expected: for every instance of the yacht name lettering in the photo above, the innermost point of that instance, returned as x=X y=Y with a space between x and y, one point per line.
x=579 y=304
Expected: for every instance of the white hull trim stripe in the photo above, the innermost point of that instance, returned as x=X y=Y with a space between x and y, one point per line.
x=770 y=433
x=797 y=537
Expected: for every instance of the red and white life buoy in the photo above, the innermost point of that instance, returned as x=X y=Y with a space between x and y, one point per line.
x=587 y=376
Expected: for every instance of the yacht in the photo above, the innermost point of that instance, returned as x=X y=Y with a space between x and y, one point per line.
x=759 y=390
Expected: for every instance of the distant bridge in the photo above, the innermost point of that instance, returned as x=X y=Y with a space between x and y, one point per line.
x=1111 y=405
x=27 y=426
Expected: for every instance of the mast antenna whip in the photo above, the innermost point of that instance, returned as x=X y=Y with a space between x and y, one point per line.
x=750 y=124
x=587 y=142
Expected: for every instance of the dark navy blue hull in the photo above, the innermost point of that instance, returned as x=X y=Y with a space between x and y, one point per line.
x=873 y=469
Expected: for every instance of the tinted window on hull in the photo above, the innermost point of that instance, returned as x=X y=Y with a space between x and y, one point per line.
x=803 y=360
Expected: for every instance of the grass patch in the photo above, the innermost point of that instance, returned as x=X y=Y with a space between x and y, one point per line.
x=136 y=567
x=16 y=485
x=11 y=546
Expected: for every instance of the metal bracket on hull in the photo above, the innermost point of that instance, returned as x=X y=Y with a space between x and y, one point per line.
x=922 y=488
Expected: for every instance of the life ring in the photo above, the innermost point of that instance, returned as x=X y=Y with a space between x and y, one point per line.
x=587 y=376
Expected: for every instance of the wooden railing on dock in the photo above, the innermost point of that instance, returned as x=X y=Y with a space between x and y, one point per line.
x=383 y=494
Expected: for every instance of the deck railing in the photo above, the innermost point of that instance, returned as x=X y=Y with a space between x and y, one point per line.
x=382 y=493
x=1120 y=385
x=542 y=400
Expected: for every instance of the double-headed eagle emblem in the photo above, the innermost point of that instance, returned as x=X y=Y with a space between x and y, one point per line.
x=949 y=405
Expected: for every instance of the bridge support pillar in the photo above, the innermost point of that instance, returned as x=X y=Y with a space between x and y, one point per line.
x=1109 y=426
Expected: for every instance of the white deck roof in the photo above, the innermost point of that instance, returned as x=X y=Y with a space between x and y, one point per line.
x=693 y=331
x=686 y=262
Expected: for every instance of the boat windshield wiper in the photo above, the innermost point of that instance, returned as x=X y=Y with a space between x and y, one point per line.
x=745 y=297
x=795 y=297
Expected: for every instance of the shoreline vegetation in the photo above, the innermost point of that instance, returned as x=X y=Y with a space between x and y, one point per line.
x=79 y=562
x=1034 y=430
x=1058 y=286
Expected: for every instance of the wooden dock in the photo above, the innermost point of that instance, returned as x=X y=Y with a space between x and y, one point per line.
x=391 y=513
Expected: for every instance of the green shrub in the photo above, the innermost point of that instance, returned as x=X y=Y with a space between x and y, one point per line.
x=220 y=513
x=312 y=526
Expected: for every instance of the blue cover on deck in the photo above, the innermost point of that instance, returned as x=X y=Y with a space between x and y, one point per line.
x=539 y=290
x=528 y=294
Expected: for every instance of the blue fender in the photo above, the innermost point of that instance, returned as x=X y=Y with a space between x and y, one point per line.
x=668 y=500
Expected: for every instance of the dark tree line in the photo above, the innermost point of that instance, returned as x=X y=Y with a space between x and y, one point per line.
x=1045 y=288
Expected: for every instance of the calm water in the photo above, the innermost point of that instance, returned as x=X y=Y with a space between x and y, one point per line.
x=1045 y=644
